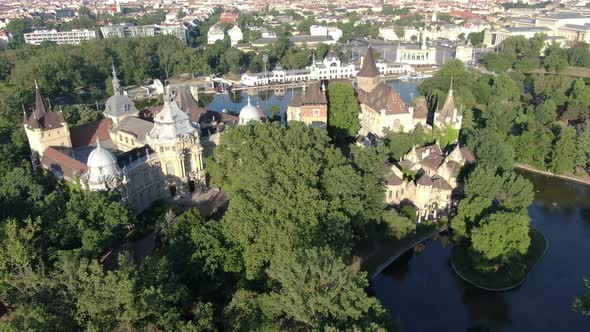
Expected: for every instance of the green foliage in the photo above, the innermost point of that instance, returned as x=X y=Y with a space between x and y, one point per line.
x=555 y=58
x=582 y=302
x=437 y=87
x=400 y=143
x=320 y=191
x=77 y=115
x=564 y=155
x=491 y=151
x=319 y=292
x=502 y=235
x=398 y=226
x=498 y=62
x=579 y=55
x=343 y=123
x=475 y=38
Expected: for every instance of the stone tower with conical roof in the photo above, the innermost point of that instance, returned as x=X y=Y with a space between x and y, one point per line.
x=368 y=77
x=44 y=127
x=119 y=106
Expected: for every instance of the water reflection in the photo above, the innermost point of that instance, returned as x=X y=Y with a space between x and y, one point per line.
x=426 y=295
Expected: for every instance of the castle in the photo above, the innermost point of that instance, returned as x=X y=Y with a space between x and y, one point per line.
x=145 y=157
x=425 y=177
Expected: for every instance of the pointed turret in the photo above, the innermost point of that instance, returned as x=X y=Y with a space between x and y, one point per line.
x=368 y=76
x=116 y=82
x=448 y=114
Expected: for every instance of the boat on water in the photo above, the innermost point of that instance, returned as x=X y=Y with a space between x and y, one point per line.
x=415 y=76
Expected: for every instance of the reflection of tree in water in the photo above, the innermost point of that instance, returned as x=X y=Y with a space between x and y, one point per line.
x=236 y=97
x=205 y=100
x=400 y=268
x=489 y=308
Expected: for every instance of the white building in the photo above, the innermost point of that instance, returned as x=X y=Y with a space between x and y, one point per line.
x=129 y=30
x=329 y=68
x=4 y=38
x=74 y=37
x=563 y=28
x=416 y=55
x=464 y=53
x=235 y=35
x=318 y=30
x=215 y=34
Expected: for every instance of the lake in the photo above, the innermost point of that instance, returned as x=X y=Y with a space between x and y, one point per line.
x=423 y=292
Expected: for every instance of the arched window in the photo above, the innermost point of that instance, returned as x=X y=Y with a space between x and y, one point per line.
x=188 y=165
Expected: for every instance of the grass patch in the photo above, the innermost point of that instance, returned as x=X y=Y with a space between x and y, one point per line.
x=502 y=279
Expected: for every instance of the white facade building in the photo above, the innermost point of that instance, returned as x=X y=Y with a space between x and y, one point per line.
x=74 y=37
x=129 y=30
x=235 y=35
x=215 y=34
x=330 y=68
x=318 y=30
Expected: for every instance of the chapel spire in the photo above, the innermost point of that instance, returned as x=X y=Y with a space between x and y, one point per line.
x=116 y=83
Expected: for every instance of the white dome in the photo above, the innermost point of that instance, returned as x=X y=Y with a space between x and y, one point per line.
x=249 y=113
x=102 y=164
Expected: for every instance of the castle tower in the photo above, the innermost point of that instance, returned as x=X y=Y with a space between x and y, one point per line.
x=119 y=106
x=177 y=144
x=368 y=77
x=448 y=115
x=44 y=127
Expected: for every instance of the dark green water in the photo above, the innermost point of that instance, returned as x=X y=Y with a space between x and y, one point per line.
x=422 y=291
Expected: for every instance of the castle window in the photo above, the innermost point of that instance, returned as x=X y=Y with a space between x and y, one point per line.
x=316 y=112
x=120 y=138
x=169 y=168
x=390 y=193
x=161 y=149
x=126 y=141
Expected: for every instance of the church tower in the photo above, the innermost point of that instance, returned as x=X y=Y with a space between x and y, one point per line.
x=368 y=77
x=119 y=106
x=44 y=127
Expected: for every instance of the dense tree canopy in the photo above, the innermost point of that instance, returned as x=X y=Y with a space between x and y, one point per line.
x=344 y=111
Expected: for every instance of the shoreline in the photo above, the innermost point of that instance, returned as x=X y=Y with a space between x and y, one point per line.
x=571 y=178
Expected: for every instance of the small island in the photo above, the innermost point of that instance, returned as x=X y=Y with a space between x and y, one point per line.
x=507 y=277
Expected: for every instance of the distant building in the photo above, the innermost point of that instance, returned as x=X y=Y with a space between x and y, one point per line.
x=250 y=113
x=436 y=177
x=227 y=17
x=235 y=35
x=310 y=106
x=73 y=37
x=129 y=30
x=416 y=55
x=566 y=28
x=214 y=34
x=329 y=68
x=318 y=30
x=310 y=41
x=464 y=53
x=382 y=108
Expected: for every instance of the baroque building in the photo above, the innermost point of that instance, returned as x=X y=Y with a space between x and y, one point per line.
x=145 y=159
x=425 y=178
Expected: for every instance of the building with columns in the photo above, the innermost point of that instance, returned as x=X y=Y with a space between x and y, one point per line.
x=144 y=159
x=416 y=55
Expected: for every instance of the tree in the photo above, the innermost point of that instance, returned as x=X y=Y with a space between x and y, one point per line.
x=343 y=123
x=77 y=115
x=319 y=292
x=565 y=151
x=322 y=194
x=491 y=151
x=475 y=38
x=579 y=55
x=504 y=89
x=499 y=62
x=398 y=226
x=502 y=235
x=582 y=303
x=17 y=28
x=555 y=58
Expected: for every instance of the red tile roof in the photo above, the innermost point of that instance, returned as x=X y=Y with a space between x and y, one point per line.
x=88 y=133
x=57 y=161
x=383 y=97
